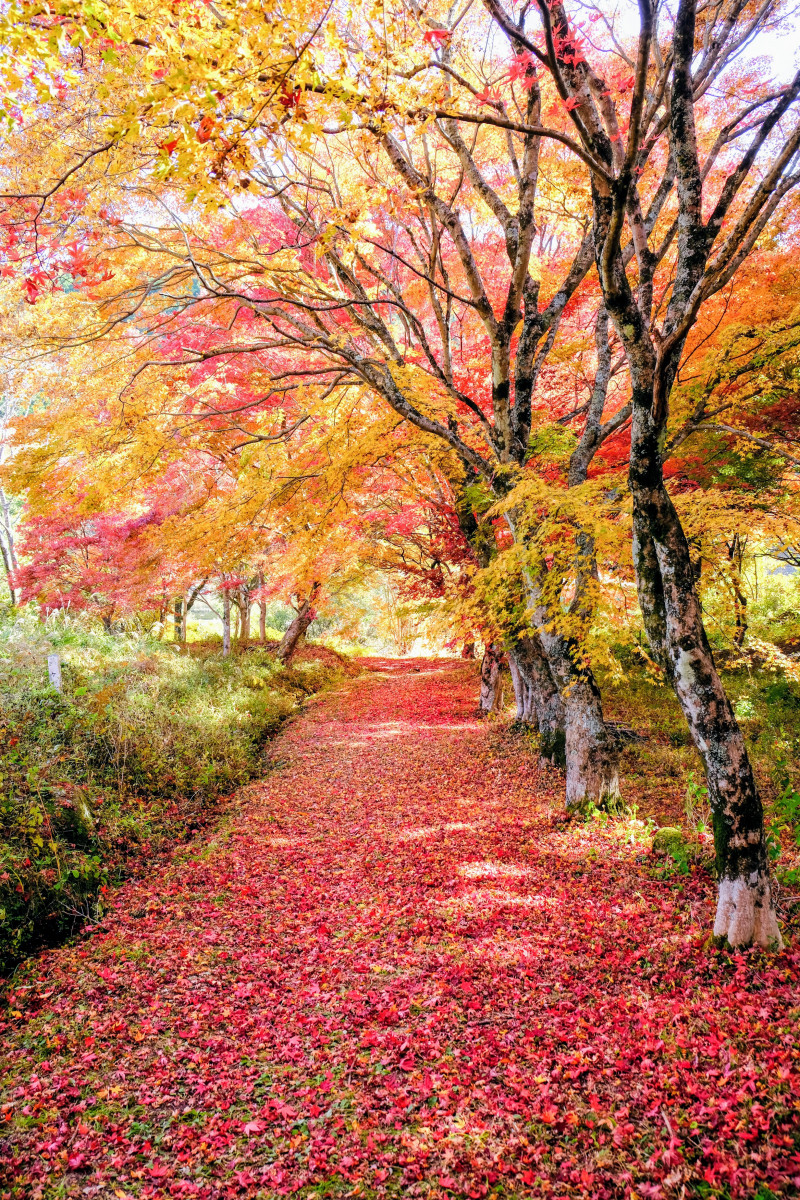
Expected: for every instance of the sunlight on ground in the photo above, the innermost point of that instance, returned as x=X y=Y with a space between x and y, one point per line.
x=396 y=729
x=425 y=831
x=490 y=870
x=522 y=949
x=483 y=897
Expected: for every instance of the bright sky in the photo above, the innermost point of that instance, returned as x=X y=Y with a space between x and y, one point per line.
x=783 y=47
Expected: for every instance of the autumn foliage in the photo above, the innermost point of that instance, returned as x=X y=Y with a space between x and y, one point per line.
x=471 y=331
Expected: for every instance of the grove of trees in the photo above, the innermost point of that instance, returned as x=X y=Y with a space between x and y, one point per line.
x=498 y=302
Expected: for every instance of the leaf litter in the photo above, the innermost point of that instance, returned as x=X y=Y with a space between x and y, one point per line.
x=395 y=971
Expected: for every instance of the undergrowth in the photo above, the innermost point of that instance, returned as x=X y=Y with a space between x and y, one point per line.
x=664 y=773
x=129 y=758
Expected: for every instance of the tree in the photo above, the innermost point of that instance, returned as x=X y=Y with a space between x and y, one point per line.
x=354 y=290
x=722 y=209
x=411 y=247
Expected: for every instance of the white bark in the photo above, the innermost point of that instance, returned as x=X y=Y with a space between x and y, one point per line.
x=746 y=914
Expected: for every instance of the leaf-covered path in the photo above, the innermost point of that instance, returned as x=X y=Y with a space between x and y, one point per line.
x=393 y=972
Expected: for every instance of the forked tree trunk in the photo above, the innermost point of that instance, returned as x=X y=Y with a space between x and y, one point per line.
x=665 y=574
x=591 y=749
x=297 y=630
x=226 y=623
x=490 y=677
x=538 y=699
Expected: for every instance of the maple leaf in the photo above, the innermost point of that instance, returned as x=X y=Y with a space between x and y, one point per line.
x=254 y=1127
x=489 y=96
x=205 y=129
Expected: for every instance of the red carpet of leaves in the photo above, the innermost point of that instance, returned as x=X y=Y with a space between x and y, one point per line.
x=391 y=972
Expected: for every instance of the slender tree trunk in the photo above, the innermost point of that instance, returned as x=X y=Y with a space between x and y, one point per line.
x=7 y=546
x=178 y=619
x=226 y=623
x=244 y=636
x=736 y=555
x=297 y=630
x=740 y=602
x=9 y=573
x=262 y=614
x=521 y=690
x=188 y=604
x=490 y=676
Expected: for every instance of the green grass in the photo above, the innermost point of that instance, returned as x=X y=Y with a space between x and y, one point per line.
x=665 y=770
x=131 y=757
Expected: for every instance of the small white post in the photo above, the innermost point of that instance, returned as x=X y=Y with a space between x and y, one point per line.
x=54 y=671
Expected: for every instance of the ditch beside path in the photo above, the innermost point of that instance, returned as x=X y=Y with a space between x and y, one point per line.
x=393 y=971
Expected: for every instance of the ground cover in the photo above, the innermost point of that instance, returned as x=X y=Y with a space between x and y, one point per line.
x=395 y=970
x=130 y=758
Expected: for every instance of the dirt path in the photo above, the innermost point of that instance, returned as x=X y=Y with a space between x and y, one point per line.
x=391 y=972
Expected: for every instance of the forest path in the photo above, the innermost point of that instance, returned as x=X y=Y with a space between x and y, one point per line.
x=392 y=972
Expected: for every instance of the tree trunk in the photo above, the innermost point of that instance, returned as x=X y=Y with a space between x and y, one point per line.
x=490 y=676
x=541 y=702
x=244 y=636
x=736 y=556
x=7 y=545
x=262 y=613
x=297 y=630
x=740 y=603
x=9 y=573
x=226 y=623
x=178 y=619
x=188 y=604
x=591 y=750
x=745 y=911
x=522 y=695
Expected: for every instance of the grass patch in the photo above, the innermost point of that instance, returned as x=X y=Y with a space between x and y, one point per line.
x=665 y=773
x=129 y=758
